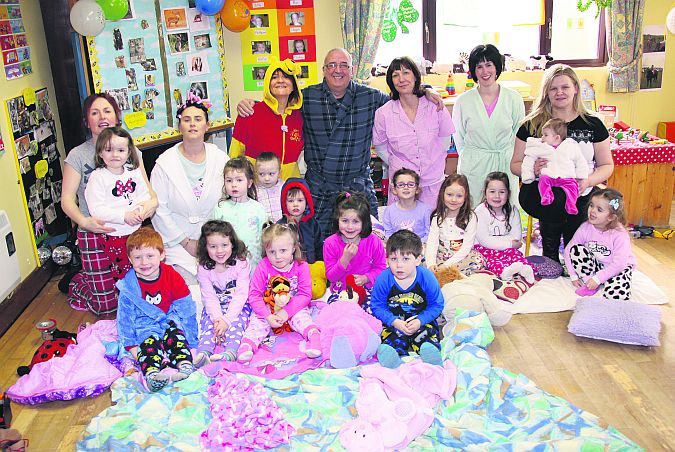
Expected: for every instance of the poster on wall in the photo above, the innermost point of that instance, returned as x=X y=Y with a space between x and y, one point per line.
x=38 y=162
x=279 y=30
x=13 y=41
x=653 y=56
x=151 y=60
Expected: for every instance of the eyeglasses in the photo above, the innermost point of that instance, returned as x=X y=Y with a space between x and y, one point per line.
x=333 y=66
x=406 y=184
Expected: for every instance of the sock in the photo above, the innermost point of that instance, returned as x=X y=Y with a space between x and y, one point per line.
x=527 y=273
x=508 y=272
x=313 y=347
x=430 y=354
x=388 y=356
x=185 y=369
x=245 y=352
x=156 y=380
x=202 y=359
x=228 y=355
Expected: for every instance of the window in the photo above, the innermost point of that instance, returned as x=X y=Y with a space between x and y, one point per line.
x=446 y=28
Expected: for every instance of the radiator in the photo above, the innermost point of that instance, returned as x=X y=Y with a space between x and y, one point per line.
x=9 y=261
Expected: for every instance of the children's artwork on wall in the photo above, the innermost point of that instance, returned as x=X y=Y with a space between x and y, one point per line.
x=38 y=163
x=280 y=29
x=171 y=47
x=13 y=41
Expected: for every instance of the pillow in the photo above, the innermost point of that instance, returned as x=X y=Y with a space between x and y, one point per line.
x=545 y=267
x=512 y=290
x=625 y=322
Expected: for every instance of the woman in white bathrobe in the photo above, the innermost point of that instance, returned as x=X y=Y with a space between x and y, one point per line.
x=188 y=179
x=486 y=120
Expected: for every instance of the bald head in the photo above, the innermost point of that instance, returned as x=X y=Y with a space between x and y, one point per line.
x=338 y=71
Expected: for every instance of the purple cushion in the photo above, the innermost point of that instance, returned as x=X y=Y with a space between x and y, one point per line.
x=545 y=267
x=625 y=322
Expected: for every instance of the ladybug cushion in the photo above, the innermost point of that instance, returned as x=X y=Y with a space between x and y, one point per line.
x=49 y=349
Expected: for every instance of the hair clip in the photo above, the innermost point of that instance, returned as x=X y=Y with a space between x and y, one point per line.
x=614 y=203
x=347 y=194
x=193 y=99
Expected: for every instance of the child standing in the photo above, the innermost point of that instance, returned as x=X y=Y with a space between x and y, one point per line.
x=281 y=289
x=239 y=207
x=116 y=192
x=453 y=229
x=223 y=275
x=156 y=315
x=499 y=230
x=269 y=184
x=600 y=251
x=407 y=212
x=298 y=208
x=353 y=249
x=407 y=299
x=565 y=165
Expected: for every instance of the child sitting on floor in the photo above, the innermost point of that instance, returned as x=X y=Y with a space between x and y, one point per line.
x=407 y=299
x=156 y=318
x=280 y=292
x=407 y=212
x=223 y=275
x=298 y=208
x=565 y=165
x=600 y=251
x=269 y=184
x=353 y=249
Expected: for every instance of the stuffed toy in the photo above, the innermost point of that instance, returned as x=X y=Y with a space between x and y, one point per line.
x=382 y=424
x=473 y=293
x=317 y=271
x=277 y=296
x=445 y=274
x=353 y=292
x=349 y=335
x=55 y=343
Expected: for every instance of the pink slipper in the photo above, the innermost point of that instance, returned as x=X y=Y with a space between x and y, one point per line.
x=584 y=291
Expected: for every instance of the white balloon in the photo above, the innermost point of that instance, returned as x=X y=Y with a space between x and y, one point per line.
x=87 y=18
x=670 y=21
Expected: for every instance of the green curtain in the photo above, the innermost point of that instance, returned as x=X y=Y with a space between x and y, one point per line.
x=624 y=44
x=361 y=29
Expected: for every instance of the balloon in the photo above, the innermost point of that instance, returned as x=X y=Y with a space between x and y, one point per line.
x=235 y=15
x=62 y=255
x=114 y=9
x=87 y=18
x=209 y=7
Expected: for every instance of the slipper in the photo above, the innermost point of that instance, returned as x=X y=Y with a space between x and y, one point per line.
x=584 y=291
x=668 y=233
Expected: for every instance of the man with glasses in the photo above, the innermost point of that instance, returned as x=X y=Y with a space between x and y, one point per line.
x=338 y=116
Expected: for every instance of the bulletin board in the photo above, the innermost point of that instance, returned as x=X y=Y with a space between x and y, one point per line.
x=33 y=137
x=151 y=58
x=279 y=29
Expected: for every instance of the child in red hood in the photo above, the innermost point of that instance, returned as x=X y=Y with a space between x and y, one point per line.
x=298 y=208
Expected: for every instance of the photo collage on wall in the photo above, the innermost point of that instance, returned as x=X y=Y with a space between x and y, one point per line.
x=34 y=136
x=279 y=29
x=13 y=41
x=149 y=67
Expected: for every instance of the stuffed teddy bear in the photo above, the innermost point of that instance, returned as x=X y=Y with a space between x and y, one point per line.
x=474 y=293
x=349 y=335
x=381 y=424
x=317 y=271
x=447 y=274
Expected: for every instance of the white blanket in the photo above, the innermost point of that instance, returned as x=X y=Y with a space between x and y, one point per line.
x=555 y=295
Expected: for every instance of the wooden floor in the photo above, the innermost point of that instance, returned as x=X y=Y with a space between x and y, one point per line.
x=631 y=388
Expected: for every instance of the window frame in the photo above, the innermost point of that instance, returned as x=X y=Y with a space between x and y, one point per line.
x=545 y=30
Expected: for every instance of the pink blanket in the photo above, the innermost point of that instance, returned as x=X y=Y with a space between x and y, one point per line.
x=82 y=372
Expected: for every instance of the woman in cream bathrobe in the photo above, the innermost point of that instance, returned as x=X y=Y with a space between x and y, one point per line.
x=188 y=179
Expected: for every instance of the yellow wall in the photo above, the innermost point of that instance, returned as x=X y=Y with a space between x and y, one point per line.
x=642 y=109
x=11 y=198
x=328 y=36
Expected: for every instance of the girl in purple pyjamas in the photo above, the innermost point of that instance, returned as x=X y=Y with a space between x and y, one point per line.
x=223 y=275
x=498 y=235
x=353 y=249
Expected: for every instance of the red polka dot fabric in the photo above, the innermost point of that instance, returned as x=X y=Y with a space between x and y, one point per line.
x=635 y=153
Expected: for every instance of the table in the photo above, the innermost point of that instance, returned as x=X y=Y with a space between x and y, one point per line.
x=643 y=173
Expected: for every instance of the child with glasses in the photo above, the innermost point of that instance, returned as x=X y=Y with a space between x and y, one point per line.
x=407 y=212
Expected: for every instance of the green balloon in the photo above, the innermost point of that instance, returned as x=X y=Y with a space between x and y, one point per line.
x=114 y=9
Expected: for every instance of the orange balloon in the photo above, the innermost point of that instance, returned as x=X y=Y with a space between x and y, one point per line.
x=235 y=15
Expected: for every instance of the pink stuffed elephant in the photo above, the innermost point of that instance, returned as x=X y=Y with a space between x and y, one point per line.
x=349 y=335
